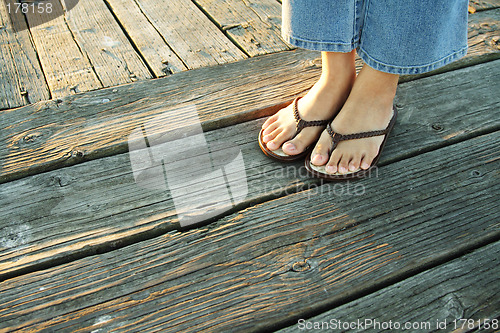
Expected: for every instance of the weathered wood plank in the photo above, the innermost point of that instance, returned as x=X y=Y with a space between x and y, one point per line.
x=483 y=35
x=192 y=36
x=484 y=4
x=103 y=42
x=154 y=49
x=275 y=262
x=21 y=78
x=461 y=292
x=119 y=210
x=254 y=25
x=96 y=124
x=66 y=68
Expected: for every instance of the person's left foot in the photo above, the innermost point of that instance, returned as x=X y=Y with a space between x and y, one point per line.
x=368 y=108
x=352 y=155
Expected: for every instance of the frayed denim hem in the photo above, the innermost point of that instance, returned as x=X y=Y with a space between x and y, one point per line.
x=320 y=46
x=375 y=64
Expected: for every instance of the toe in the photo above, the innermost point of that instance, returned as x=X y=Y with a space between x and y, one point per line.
x=290 y=148
x=299 y=143
x=366 y=162
x=278 y=140
x=333 y=164
x=320 y=152
x=271 y=128
x=271 y=136
x=344 y=164
x=269 y=121
x=368 y=157
x=355 y=163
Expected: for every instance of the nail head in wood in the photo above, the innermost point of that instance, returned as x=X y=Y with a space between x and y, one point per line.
x=437 y=127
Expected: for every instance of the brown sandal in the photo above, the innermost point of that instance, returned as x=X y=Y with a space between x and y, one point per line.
x=320 y=172
x=300 y=124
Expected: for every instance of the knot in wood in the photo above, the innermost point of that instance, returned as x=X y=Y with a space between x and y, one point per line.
x=486 y=26
x=494 y=42
x=31 y=137
x=300 y=266
x=316 y=63
x=34 y=138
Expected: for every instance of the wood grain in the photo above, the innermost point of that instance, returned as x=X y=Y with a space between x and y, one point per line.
x=154 y=49
x=67 y=69
x=96 y=124
x=21 y=78
x=190 y=34
x=463 y=291
x=277 y=261
x=99 y=204
x=102 y=41
x=484 y=4
x=484 y=28
x=254 y=25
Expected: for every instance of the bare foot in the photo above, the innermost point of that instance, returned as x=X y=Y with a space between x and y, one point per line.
x=322 y=102
x=368 y=108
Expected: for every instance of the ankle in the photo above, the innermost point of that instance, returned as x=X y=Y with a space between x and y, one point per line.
x=376 y=83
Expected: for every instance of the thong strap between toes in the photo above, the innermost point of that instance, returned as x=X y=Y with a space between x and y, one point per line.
x=300 y=123
x=336 y=137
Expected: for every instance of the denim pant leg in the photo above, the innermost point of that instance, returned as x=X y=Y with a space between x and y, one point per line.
x=322 y=25
x=410 y=36
x=394 y=36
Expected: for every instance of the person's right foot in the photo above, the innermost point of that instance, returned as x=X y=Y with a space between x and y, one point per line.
x=322 y=102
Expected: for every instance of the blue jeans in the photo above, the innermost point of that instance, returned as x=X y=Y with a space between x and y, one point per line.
x=393 y=36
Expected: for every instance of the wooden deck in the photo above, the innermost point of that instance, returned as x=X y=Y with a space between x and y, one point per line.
x=93 y=240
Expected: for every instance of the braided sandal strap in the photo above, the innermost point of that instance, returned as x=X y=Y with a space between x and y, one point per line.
x=336 y=137
x=300 y=123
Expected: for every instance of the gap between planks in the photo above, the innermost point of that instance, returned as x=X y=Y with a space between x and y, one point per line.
x=464 y=289
x=130 y=212
x=279 y=260
x=227 y=95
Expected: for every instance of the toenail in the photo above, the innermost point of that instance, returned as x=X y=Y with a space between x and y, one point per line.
x=318 y=159
x=289 y=146
x=330 y=169
x=342 y=169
